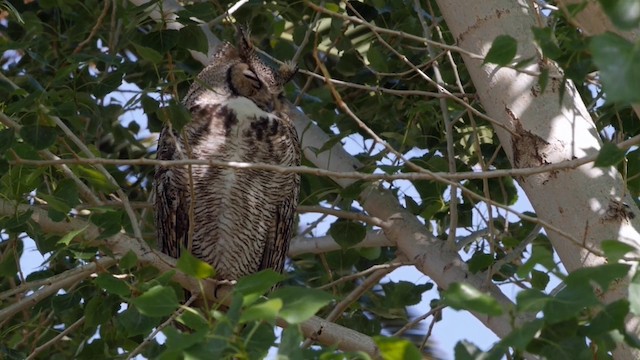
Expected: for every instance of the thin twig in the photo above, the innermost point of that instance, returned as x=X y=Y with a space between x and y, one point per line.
x=415 y=321
x=448 y=125
x=521 y=172
x=86 y=193
x=160 y=327
x=123 y=197
x=55 y=339
x=53 y=288
x=94 y=30
x=352 y=297
x=342 y=214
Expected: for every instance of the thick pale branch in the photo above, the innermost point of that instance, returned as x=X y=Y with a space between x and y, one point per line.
x=323 y=244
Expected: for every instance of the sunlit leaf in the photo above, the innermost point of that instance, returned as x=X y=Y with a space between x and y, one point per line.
x=462 y=296
x=265 y=311
x=193 y=266
x=615 y=250
x=66 y=239
x=300 y=303
x=394 y=348
x=502 y=51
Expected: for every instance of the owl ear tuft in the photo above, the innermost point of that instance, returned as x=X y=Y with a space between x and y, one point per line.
x=244 y=41
x=287 y=70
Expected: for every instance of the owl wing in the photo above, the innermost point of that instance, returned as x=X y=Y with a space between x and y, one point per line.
x=282 y=228
x=171 y=202
x=277 y=244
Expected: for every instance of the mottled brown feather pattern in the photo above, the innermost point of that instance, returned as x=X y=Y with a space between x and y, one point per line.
x=243 y=219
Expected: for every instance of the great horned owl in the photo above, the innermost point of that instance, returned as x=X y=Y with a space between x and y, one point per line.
x=238 y=220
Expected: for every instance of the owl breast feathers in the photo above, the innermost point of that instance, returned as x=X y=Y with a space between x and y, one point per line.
x=238 y=220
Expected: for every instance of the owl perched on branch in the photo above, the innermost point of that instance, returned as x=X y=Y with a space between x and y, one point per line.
x=238 y=220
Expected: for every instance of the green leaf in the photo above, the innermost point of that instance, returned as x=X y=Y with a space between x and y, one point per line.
x=192 y=38
x=618 y=61
x=174 y=114
x=569 y=302
x=132 y=323
x=465 y=297
x=66 y=239
x=394 y=348
x=615 y=250
x=610 y=318
x=97 y=311
x=539 y=279
x=265 y=311
x=148 y=54
x=347 y=233
x=602 y=275
x=547 y=41
x=609 y=155
x=519 y=338
x=193 y=319
x=479 y=262
x=300 y=303
x=377 y=59
x=193 y=266
x=7 y=137
x=39 y=136
x=404 y=293
x=634 y=294
x=128 y=261
x=157 y=301
x=465 y=350
x=503 y=50
x=625 y=14
x=113 y=285
x=290 y=344
x=255 y=285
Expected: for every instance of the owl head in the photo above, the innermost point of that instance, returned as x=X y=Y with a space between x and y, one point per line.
x=239 y=71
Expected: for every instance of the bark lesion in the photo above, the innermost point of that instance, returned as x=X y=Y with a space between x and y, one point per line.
x=618 y=211
x=527 y=147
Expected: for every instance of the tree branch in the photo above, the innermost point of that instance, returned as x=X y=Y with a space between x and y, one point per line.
x=320 y=330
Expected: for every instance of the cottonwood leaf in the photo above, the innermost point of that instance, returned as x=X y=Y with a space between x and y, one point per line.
x=609 y=155
x=465 y=297
x=39 y=136
x=193 y=266
x=394 y=348
x=157 y=301
x=502 y=51
x=113 y=285
x=299 y=304
x=618 y=61
x=265 y=311
x=625 y=14
x=615 y=250
x=66 y=239
x=347 y=233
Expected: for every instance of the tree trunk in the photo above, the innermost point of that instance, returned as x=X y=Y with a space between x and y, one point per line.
x=541 y=127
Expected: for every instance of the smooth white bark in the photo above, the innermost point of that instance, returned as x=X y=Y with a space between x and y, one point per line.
x=589 y=203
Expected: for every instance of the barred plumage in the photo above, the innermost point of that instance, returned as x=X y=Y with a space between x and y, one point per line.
x=239 y=220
